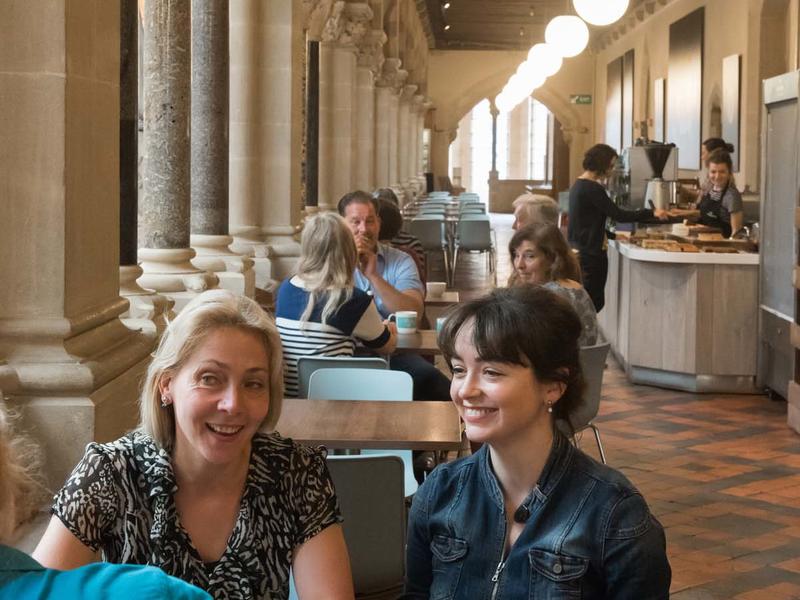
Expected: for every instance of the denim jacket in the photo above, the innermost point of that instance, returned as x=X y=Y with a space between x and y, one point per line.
x=590 y=534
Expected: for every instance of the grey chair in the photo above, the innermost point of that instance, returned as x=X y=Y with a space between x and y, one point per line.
x=306 y=365
x=473 y=235
x=430 y=230
x=593 y=364
x=370 y=494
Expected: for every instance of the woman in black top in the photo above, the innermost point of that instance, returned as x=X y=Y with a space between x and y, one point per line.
x=589 y=207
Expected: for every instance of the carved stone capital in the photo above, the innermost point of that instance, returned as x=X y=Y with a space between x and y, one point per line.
x=315 y=14
x=392 y=75
x=408 y=92
x=347 y=23
x=370 y=51
x=418 y=104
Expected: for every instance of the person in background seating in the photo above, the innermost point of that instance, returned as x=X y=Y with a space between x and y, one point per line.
x=23 y=577
x=530 y=209
x=541 y=256
x=392 y=233
x=529 y=515
x=390 y=275
x=204 y=488
x=319 y=311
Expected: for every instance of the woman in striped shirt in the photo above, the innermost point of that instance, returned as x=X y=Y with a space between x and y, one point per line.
x=318 y=311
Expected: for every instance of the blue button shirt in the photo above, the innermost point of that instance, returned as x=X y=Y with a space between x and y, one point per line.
x=399 y=271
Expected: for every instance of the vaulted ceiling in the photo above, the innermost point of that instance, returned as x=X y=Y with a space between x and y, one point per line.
x=496 y=24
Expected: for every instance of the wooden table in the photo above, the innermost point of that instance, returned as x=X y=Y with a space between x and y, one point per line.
x=371 y=424
x=446 y=299
x=422 y=342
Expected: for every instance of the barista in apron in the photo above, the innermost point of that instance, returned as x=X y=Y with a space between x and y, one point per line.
x=713 y=213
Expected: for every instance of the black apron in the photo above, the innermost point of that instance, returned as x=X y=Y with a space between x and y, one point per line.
x=711 y=213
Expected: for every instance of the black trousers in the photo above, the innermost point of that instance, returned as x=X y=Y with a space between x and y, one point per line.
x=429 y=382
x=594 y=268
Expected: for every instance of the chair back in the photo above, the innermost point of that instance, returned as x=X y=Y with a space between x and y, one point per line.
x=360 y=384
x=371 y=497
x=306 y=365
x=473 y=216
x=429 y=230
x=593 y=364
x=474 y=234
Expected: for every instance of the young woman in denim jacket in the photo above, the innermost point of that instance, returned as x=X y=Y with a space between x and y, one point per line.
x=528 y=515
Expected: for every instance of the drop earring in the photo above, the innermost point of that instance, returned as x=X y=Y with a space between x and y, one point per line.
x=164 y=401
x=550 y=408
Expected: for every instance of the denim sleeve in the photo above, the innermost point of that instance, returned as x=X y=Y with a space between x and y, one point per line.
x=635 y=552
x=419 y=572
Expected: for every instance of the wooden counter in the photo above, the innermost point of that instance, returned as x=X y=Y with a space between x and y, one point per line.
x=686 y=321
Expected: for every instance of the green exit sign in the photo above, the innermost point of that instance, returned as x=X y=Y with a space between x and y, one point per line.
x=581 y=99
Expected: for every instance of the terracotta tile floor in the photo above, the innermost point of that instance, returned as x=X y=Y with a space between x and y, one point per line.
x=721 y=472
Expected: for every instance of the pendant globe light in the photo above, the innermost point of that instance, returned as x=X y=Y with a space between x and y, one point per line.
x=567 y=35
x=548 y=60
x=600 y=12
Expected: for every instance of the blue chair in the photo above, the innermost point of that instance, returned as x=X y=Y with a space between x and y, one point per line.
x=430 y=230
x=306 y=365
x=367 y=384
x=474 y=236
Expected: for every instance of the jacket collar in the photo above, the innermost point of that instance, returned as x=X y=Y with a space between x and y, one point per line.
x=561 y=452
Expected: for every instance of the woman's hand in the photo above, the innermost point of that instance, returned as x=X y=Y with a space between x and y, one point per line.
x=660 y=214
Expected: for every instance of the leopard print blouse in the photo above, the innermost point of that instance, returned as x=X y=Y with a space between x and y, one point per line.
x=120 y=500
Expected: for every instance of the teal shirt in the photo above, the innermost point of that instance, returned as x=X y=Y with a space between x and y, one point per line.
x=23 y=577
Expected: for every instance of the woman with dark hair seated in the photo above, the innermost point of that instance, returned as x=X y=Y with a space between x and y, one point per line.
x=589 y=207
x=541 y=256
x=528 y=515
x=392 y=229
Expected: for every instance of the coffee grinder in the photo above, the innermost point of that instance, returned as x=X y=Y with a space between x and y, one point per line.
x=659 y=193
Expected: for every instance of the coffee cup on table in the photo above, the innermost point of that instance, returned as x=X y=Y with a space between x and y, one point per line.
x=436 y=288
x=406 y=321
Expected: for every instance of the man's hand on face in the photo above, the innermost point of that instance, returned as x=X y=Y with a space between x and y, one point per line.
x=367 y=256
x=365 y=224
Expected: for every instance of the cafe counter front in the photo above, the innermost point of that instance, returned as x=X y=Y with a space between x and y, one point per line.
x=681 y=320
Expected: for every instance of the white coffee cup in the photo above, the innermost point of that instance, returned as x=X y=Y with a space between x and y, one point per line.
x=406 y=321
x=436 y=288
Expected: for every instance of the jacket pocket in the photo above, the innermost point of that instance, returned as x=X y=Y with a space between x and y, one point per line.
x=448 y=560
x=556 y=576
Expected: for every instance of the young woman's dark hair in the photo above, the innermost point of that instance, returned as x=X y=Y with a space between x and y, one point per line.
x=550 y=243
x=386 y=194
x=598 y=158
x=525 y=325
x=712 y=144
x=391 y=219
x=359 y=197
x=720 y=157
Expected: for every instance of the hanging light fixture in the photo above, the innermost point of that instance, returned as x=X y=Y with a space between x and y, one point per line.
x=567 y=35
x=600 y=13
x=531 y=74
x=546 y=57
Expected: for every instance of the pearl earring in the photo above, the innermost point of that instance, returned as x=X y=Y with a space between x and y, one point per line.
x=550 y=408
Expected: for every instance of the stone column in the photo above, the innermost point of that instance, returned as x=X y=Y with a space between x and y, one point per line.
x=249 y=90
x=402 y=139
x=495 y=113
x=281 y=57
x=209 y=150
x=164 y=210
x=67 y=362
x=148 y=311
x=370 y=62
x=441 y=138
x=385 y=92
x=344 y=29
x=417 y=125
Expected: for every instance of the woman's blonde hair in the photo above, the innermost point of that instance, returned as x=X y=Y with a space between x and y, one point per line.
x=22 y=491
x=328 y=259
x=205 y=314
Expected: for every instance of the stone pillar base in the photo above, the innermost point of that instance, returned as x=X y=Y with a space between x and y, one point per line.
x=62 y=423
x=169 y=272
x=147 y=312
x=284 y=250
x=235 y=272
x=247 y=241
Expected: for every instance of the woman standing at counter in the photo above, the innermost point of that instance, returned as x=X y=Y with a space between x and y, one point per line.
x=721 y=203
x=589 y=207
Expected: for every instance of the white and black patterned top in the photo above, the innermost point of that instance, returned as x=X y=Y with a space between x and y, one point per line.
x=120 y=500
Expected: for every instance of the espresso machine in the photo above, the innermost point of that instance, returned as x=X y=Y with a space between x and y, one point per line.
x=635 y=169
x=659 y=192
